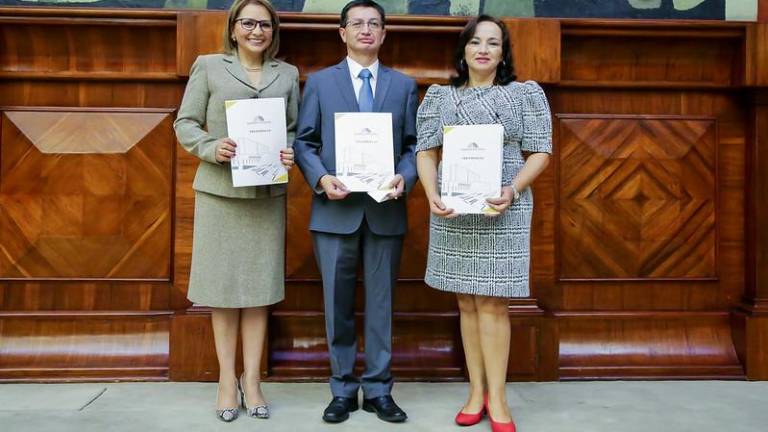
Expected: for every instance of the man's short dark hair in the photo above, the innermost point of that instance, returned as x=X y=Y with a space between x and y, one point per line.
x=361 y=3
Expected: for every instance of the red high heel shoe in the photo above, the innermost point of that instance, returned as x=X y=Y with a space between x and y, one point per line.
x=496 y=426
x=463 y=419
x=502 y=427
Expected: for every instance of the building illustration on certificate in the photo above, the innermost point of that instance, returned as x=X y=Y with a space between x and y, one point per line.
x=258 y=128
x=471 y=167
x=364 y=157
x=256 y=158
x=467 y=184
x=361 y=162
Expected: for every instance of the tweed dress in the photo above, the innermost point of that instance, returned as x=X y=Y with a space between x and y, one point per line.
x=477 y=254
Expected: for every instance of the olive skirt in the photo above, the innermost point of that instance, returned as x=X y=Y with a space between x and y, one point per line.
x=238 y=251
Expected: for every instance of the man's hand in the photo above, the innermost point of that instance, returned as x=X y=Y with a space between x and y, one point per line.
x=333 y=187
x=398 y=183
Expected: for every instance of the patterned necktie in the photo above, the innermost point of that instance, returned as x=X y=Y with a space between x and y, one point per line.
x=365 y=99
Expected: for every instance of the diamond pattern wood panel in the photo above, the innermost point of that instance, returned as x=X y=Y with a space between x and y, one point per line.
x=637 y=197
x=97 y=210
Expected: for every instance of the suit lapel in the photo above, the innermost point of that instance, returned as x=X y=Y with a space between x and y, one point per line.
x=344 y=82
x=236 y=70
x=268 y=75
x=382 y=86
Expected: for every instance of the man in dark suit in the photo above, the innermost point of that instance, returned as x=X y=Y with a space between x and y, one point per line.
x=347 y=225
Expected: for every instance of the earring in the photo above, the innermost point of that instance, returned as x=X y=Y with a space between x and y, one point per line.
x=463 y=64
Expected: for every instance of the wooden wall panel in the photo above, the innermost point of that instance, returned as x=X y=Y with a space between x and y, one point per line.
x=91 y=295
x=79 y=346
x=543 y=63
x=85 y=47
x=647 y=345
x=644 y=54
x=750 y=321
x=82 y=205
x=670 y=295
x=700 y=319
x=637 y=197
x=197 y=33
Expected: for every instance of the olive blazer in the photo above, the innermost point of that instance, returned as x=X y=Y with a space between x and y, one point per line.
x=202 y=120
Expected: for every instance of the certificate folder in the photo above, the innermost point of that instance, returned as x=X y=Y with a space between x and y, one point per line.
x=364 y=152
x=471 y=169
x=258 y=128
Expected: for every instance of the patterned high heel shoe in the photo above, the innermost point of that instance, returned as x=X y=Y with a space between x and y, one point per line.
x=227 y=414
x=259 y=411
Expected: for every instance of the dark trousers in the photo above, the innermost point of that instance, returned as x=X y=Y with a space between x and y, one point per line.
x=337 y=256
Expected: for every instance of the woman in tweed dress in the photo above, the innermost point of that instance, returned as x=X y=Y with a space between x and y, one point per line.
x=484 y=260
x=238 y=241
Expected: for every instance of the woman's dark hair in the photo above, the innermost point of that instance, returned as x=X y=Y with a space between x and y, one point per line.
x=361 y=3
x=505 y=71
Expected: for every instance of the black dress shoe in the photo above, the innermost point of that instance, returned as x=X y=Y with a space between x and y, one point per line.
x=339 y=408
x=385 y=409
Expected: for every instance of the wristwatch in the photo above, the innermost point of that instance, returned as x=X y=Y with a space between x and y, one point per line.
x=515 y=193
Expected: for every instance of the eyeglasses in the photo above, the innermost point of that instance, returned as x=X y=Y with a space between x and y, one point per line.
x=358 y=25
x=249 y=24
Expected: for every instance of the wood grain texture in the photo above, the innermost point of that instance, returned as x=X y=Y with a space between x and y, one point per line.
x=605 y=53
x=85 y=215
x=647 y=345
x=100 y=46
x=688 y=71
x=541 y=64
x=757 y=211
x=637 y=197
x=197 y=33
x=81 y=132
x=79 y=346
x=694 y=295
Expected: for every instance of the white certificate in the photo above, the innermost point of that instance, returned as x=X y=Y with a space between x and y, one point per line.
x=364 y=152
x=472 y=158
x=258 y=128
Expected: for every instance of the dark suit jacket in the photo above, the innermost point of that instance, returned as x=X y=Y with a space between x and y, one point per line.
x=330 y=91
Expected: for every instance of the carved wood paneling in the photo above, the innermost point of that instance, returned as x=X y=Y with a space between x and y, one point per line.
x=729 y=111
x=637 y=197
x=131 y=59
x=81 y=202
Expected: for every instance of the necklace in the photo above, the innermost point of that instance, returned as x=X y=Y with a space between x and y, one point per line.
x=254 y=69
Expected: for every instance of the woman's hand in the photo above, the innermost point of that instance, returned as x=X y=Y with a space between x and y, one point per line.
x=501 y=204
x=225 y=150
x=437 y=208
x=286 y=158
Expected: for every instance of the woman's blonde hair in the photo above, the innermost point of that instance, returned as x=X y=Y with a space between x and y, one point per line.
x=230 y=46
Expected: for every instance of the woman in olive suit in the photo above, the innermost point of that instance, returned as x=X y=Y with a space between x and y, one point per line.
x=238 y=242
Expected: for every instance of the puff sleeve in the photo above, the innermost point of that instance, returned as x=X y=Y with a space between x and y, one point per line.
x=429 y=124
x=537 y=120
